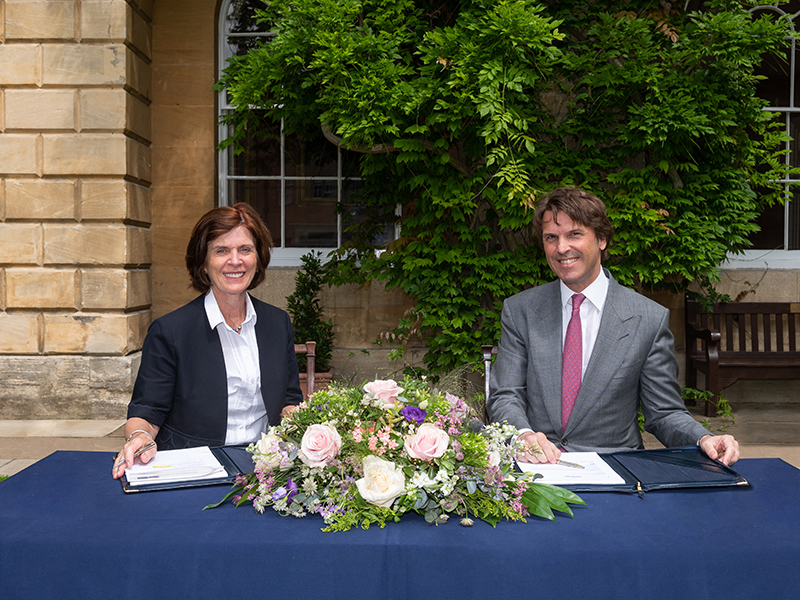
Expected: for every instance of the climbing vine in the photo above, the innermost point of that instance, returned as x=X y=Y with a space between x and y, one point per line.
x=464 y=113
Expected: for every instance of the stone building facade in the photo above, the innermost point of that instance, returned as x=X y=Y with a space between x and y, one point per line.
x=75 y=203
x=108 y=157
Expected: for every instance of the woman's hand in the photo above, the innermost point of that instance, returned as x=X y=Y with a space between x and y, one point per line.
x=140 y=434
x=288 y=409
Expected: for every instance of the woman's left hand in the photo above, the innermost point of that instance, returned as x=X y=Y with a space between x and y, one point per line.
x=289 y=409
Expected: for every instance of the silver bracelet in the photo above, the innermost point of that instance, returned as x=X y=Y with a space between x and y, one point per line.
x=147 y=433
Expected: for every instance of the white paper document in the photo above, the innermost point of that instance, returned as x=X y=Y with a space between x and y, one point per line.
x=595 y=471
x=171 y=466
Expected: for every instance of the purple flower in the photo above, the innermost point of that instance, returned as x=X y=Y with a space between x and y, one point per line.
x=414 y=414
x=291 y=488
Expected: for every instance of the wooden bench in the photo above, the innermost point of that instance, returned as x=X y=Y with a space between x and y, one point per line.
x=740 y=340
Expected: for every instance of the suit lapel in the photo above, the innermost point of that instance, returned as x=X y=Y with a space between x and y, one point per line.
x=546 y=330
x=618 y=325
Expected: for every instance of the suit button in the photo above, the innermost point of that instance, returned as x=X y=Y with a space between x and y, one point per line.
x=564 y=442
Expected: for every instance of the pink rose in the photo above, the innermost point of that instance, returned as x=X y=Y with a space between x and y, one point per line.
x=383 y=393
x=319 y=445
x=428 y=443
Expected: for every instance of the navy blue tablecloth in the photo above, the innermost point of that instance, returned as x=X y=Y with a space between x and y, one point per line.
x=68 y=531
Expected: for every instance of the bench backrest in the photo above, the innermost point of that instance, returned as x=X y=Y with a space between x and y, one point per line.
x=750 y=326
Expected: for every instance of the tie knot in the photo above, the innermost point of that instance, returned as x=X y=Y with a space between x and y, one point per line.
x=576 y=301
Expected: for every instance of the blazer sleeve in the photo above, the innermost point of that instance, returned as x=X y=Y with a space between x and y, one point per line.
x=154 y=389
x=294 y=394
x=665 y=414
x=181 y=386
x=508 y=380
x=280 y=381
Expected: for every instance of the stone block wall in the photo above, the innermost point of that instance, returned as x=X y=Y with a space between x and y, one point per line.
x=75 y=204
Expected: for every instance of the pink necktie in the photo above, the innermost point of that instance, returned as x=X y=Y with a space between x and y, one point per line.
x=572 y=361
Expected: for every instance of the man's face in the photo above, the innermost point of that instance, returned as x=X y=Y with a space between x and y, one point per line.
x=573 y=250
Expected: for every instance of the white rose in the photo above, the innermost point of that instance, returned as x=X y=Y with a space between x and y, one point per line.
x=493 y=459
x=267 y=454
x=382 y=481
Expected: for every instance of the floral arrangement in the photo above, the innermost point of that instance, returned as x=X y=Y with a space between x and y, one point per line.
x=366 y=456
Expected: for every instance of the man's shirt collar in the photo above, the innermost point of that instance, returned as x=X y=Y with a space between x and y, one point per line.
x=595 y=292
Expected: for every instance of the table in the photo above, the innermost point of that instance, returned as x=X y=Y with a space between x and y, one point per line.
x=68 y=531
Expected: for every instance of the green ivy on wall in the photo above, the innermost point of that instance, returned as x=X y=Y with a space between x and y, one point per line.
x=465 y=113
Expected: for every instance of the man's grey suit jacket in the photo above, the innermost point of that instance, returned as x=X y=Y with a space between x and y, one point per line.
x=633 y=361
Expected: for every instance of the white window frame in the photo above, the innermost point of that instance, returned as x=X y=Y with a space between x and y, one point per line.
x=281 y=255
x=776 y=259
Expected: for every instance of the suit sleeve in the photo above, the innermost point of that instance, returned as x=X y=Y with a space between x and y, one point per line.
x=665 y=414
x=508 y=381
x=154 y=389
x=293 y=393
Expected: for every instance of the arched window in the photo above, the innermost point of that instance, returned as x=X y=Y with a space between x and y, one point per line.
x=296 y=185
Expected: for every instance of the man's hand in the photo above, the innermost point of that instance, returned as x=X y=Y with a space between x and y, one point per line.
x=541 y=450
x=722 y=447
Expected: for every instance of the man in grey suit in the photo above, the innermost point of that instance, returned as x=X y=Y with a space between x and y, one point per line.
x=616 y=355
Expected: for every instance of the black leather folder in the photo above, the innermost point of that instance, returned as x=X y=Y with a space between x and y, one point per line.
x=236 y=460
x=664 y=469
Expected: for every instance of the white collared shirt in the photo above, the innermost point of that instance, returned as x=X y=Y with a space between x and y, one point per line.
x=591 y=312
x=247 y=417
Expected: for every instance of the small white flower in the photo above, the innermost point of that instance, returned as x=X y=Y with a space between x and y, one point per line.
x=421 y=479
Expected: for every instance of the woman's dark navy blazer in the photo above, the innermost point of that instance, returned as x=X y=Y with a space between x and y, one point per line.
x=182 y=385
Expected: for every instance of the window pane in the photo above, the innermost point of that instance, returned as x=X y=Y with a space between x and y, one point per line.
x=265 y=197
x=357 y=217
x=240 y=19
x=794 y=221
x=261 y=156
x=310 y=159
x=771 y=235
x=777 y=89
x=311 y=219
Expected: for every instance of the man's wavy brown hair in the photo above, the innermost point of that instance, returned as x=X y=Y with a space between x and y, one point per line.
x=582 y=207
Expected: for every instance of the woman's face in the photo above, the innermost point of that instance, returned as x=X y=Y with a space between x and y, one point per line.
x=231 y=261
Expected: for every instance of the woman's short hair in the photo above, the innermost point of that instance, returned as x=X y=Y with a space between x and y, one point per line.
x=582 y=207
x=217 y=222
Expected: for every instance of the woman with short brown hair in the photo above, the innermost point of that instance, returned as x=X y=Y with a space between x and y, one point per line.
x=221 y=369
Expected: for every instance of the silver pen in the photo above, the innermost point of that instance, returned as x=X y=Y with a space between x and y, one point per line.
x=139 y=452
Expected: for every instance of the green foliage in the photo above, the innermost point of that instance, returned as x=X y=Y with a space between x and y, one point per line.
x=466 y=112
x=303 y=305
x=724 y=409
